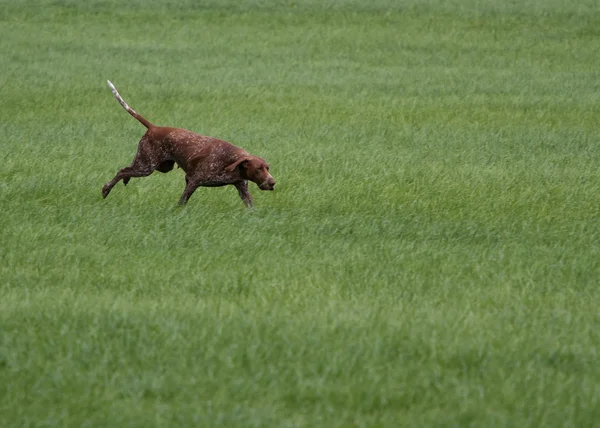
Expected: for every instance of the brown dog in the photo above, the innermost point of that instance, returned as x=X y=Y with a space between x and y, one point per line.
x=206 y=161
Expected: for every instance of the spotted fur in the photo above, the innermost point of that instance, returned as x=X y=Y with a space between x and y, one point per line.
x=207 y=161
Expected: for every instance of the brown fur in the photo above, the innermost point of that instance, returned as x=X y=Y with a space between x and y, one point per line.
x=207 y=161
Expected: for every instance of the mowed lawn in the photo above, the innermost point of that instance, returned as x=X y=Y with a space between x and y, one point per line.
x=430 y=256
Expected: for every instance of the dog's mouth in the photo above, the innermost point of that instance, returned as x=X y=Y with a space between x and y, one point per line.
x=267 y=186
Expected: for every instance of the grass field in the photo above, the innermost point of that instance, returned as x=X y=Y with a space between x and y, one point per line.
x=430 y=257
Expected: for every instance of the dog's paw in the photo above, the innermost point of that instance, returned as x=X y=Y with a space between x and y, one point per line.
x=105 y=191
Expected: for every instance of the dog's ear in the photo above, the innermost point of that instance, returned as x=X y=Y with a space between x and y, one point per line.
x=234 y=165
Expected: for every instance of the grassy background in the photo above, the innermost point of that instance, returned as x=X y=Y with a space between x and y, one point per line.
x=430 y=257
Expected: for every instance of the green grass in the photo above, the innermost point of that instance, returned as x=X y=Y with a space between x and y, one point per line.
x=431 y=256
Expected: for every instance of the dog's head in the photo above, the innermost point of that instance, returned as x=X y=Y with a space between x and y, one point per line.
x=254 y=169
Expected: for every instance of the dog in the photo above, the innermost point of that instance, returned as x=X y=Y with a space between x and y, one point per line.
x=207 y=161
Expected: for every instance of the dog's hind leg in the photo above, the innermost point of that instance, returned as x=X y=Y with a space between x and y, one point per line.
x=143 y=165
x=164 y=167
x=125 y=174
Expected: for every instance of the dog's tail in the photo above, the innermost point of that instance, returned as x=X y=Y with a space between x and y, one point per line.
x=131 y=111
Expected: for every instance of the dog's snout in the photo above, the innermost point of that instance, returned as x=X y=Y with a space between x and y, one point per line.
x=268 y=184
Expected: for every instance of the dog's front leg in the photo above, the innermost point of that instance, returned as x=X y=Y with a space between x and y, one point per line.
x=242 y=188
x=191 y=184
